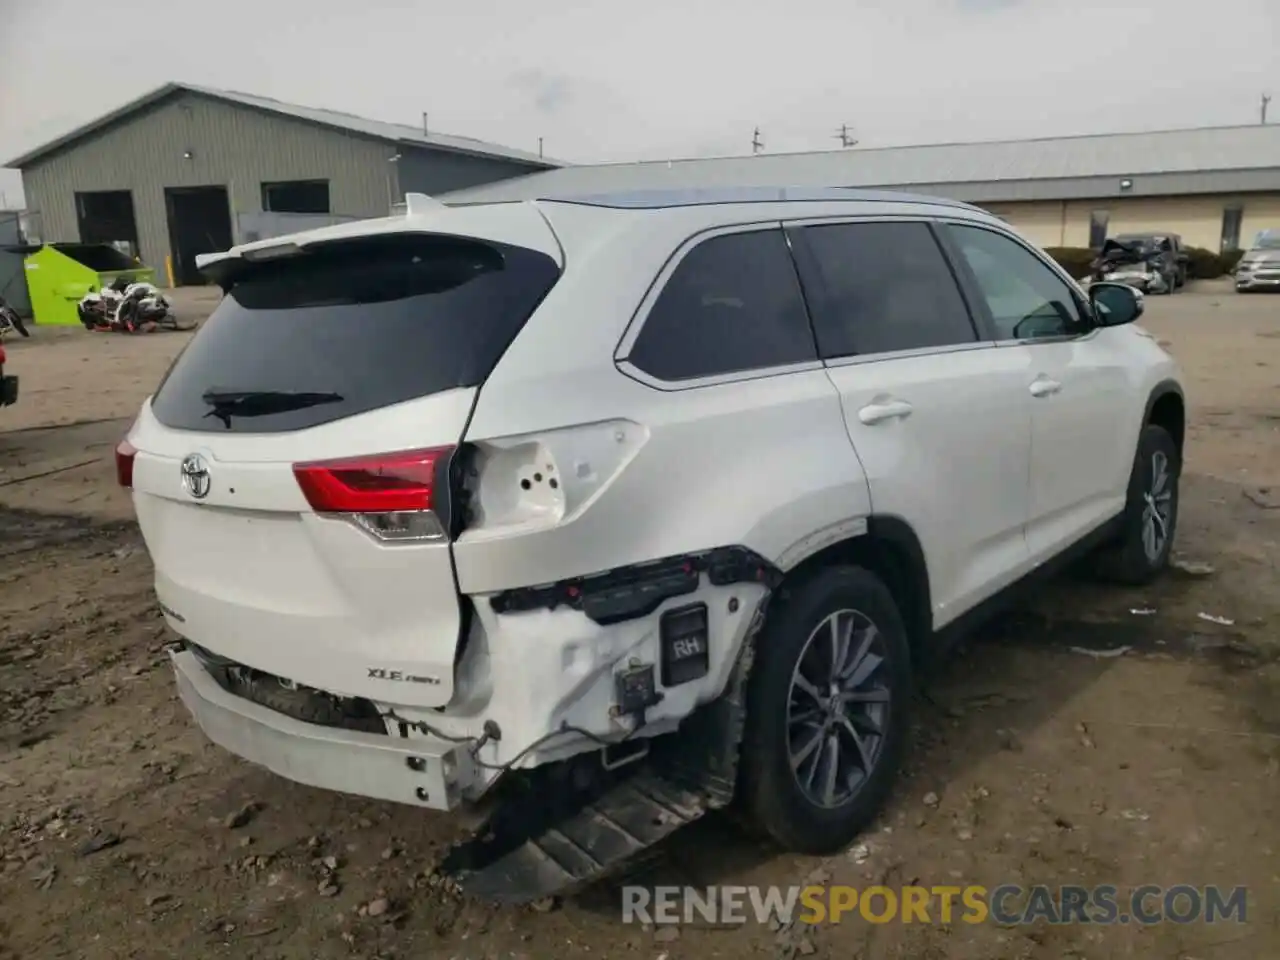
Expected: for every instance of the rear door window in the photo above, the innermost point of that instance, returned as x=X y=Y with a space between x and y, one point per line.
x=733 y=304
x=351 y=327
x=881 y=287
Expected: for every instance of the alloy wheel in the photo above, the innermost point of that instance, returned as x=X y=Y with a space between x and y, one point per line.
x=1157 y=511
x=838 y=708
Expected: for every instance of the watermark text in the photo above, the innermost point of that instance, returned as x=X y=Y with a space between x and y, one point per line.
x=1006 y=905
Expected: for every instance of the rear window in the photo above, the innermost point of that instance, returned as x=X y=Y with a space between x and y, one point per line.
x=351 y=327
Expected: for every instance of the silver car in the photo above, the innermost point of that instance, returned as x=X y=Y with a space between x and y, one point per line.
x=1259 y=268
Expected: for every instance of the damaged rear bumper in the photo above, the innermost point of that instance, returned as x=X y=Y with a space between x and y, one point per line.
x=423 y=771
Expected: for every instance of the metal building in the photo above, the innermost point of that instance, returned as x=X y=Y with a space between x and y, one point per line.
x=185 y=170
x=1217 y=187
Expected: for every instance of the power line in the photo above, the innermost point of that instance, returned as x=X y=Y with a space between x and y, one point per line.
x=846 y=137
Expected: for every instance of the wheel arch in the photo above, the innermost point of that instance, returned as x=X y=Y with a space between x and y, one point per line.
x=890 y=549
x=1166 y=407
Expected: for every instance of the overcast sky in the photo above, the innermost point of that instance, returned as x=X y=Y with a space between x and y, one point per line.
x=622 y=80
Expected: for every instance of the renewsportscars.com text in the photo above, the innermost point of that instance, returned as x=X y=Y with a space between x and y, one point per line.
x=1007 y=904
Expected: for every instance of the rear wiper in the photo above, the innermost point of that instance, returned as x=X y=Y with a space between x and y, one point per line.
x=226 y=404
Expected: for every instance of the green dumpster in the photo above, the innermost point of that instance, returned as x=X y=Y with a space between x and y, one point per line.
x=60 y=274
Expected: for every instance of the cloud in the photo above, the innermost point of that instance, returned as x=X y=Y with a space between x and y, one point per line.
x=986 y=6
x=669 y=78
x=548 y=91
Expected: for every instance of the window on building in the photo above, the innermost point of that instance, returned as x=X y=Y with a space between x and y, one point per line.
x=881 y=288
x=733 y=304
x=1232 y=217
x=296 y=196
x=1098 y=221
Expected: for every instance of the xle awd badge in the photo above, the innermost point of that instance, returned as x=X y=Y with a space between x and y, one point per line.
x=398 y=676
x=195 y=476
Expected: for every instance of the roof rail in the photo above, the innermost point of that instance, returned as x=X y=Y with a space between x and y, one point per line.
x=700 y=196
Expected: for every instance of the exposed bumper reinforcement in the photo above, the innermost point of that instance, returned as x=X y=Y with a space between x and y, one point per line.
x=596 y=842
x=424 y=772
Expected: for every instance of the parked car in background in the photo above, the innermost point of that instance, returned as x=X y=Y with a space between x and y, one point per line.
x=1259 y=268
x=1151 y=262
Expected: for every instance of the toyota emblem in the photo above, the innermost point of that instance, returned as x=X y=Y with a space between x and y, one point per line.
x=195 y=475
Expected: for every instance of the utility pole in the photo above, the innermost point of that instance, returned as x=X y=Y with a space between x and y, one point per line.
x=1266 y=100
x=845 y=137
x=424 y=122
x=539 y=148
x=756 y=143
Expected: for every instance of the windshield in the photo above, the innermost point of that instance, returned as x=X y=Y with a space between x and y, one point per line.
x=1143 y=243
x=1267 y=240
x=349 y=328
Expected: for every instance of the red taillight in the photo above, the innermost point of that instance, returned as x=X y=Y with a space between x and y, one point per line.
x=1 y=354
x=125 y=453
x=393 y=496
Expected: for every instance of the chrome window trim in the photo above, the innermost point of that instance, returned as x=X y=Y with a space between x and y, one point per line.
x=909 y=354
x=629 y=369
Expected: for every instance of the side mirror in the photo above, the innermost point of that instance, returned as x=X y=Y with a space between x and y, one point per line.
x=1115 y=304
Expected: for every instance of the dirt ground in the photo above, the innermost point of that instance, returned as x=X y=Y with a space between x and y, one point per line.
x=123 y=833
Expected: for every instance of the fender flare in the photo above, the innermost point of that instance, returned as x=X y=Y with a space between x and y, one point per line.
x=1159 y=392
x=1163 y=389
x=919 y=620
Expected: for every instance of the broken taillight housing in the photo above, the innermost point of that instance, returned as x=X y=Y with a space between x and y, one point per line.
x=125 y=454
x=391 y=496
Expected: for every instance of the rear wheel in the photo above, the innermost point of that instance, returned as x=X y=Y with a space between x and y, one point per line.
x=827 y=711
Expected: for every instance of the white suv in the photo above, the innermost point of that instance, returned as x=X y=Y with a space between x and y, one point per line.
x=596 y=513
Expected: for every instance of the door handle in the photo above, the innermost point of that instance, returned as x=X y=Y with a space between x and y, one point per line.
x=880 y=410
x=1044 y=387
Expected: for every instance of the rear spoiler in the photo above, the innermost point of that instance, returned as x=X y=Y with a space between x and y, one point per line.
x=519 y=224
x=416 y=205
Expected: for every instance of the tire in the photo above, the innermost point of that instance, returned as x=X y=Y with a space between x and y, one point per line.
x=171 y=322
x=15 y=321
x=1128 y=560
x=773 y=797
